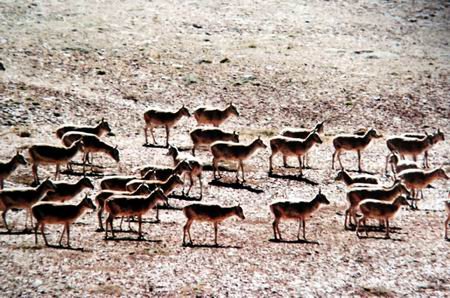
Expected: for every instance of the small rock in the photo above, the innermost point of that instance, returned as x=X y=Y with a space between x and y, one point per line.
x=56 y=114
x=225 y=60
x=2 y=67
x=197 y=26
x=101 y=72
x=203 y=61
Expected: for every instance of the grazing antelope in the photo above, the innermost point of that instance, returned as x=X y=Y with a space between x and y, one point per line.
x=155 y=117
x=356 y=195
x=292 y=147
x=99 y=130
x=379 y=210
x=47 y=154
x=210 y=213
x=343 y=175
x=207 y=136
x=65 y=191
x=6 y=168
x=118 y=183
x=398 y=165
x=447 y=208
x=214 y=116
x=299 y=211
x=163 y=173
x=418 y=179
x=412 y=146
x=62 y=214
x=23 y=198
x=438 y=136
x=102 y=196
x=91 y=144
x=119 y=205
x=232 y=151
x=349 y=142
x=194 y=163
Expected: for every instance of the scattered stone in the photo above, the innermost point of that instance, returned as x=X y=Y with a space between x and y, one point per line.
x=2 y=67
x=203 y=61
x=224 y=60
x=197 y=26
x=101 y=72
x=24 y=134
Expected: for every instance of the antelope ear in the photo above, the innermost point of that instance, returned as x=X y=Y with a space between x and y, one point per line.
x=439 y=130
x=116 y=146
x=320 y=191
x=103 y=120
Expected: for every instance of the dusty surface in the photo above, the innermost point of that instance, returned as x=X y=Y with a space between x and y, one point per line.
x=288 y=63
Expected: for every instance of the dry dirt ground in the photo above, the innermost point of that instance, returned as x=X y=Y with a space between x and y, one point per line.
x=354 y=63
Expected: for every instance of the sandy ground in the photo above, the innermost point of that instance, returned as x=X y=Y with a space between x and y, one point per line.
x=288 y=63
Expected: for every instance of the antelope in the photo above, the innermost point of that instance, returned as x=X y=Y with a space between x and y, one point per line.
x=65 y=191
x=398 y=165
x=193 y=162
x=55 y=213
x=47 y=154
x=91 y=144
x=102 y=196
x=119 y=205
x=412 y=146
x=352 y=142
x=209 y=213
x=292 y=147
x=99 y=130
x=207 y=136
x=23 y=198
x=214 y=116
x=379 y=210
x=6 y=168
x=447 y=208
x=343 y=175
x=439 y=136
x=163 y=173
x=417 y=179
x=356 y=195
x=299 y=211
x=118 y=183
x=155 y=117
x=232 y=151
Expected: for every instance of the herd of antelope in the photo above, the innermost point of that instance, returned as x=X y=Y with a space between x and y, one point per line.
x=132 y=196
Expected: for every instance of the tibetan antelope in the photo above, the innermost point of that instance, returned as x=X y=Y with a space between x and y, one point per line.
x=118 y=183
x=352 y=142
x=23 y=198
x=214 y=116
x=65 y=191
x=232 y=151
x=292 y=147
x=438 y=136
x=379 y=210
x=300 y=211
x=343 y=175
x=398 y=165
x=154 y=117
x=209 y=213
x=99 y=130
x=47 y=154
x=56 y=213
x=207 y=136
x=163 y=173
x=6 y=168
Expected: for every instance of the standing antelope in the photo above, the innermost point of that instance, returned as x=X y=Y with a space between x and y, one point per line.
x=23 y=198
x=207 y=136
x=155 y=117
x=232 y=151
x=343 y=175
x=292 y=147
x=163 y=173
x=118 y=183
x=299 y=211
x=99 y=130
x=214 y=116
x=352 y=142
x=438 y=136
x=47 y=154
x=398 y=165
x=6 y=168
x=210 y=213
x=55 y=213
x=65 y=191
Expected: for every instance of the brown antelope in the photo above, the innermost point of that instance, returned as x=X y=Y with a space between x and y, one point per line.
x=163 y=173
x=99 y=130
x=206 y=136
x=214 y=116
x=356 y=195
x=167 y=186
x=438 y=136
x=119 y=205
x=447 y=208
x=292 y=147
x=232 y=151
x=102 y=196
x=193 y=162
x=65 y=191
x=300 y=211
x=343 y=175
x=47 y=154
x=91 y=144
x=349 y=142
x=56 y=213
x=210 y=213
x=412 y=146
x=118 y=183
x=379 y=210
x=418 y=179
x=398 y=165
x=23 y=198
x=167 y=119
x=6 y=168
